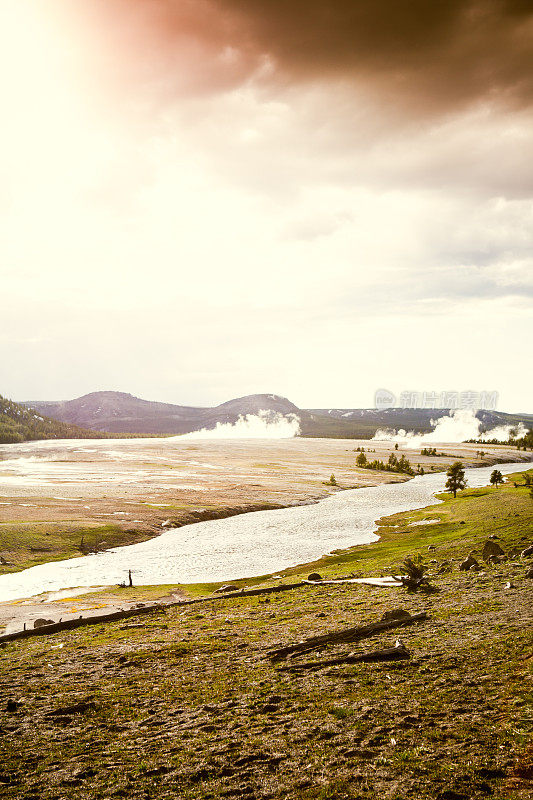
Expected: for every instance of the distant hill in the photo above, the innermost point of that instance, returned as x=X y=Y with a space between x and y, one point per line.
x=119 y=412
x=361 y=423
x=21 y=424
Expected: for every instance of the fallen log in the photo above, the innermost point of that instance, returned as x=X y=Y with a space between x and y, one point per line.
x=96 y=619
x=280 y=587
x=347 y=635
x=80 y=622
x=396 y=653
x=390 y=581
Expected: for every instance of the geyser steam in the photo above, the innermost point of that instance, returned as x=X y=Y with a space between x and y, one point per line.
x=264 y=425
x=458 y=426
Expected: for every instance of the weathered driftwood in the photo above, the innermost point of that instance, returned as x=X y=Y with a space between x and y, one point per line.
x=95 y=619
x=415 y=578
x=70 y=624
x=346 y=635
x=388 y=582
x=396 y=653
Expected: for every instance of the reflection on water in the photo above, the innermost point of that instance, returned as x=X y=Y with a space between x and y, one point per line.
x=251 y=544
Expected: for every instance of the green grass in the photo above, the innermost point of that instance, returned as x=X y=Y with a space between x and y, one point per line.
x=180 y=694
x=506 y=512
x=26 y=544
x=465 y=524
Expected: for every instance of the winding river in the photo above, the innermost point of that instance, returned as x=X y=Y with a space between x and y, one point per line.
x=253 y=544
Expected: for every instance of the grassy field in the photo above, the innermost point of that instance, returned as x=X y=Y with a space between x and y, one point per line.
x=26 y=544
x=184 y=703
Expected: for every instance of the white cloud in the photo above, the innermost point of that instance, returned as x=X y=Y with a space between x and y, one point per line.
x=228 y=242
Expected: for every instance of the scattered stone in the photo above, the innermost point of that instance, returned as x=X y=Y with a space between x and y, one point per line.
x=76 y=708
x=40 y=623
x=314 y=576
x=469 y=563
x=431 y=547
x=529 y=573
x=13 y=705
x=269 y=708
x=490 y=549
x=228 y=588
x=359 y=752
x=527 y=552
x=396 y=613
x=495 y=559
x=487 y=772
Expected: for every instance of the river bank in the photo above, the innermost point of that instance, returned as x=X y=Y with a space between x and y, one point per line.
x=185 y=702
x=250 y=540
x=59 y=500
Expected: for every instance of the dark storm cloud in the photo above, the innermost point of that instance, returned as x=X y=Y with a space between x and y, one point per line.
x=433 y=55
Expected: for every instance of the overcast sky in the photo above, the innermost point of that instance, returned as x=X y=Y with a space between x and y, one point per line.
x=203 y=199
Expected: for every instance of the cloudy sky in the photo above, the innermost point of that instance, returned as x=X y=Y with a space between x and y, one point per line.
x=207 y=198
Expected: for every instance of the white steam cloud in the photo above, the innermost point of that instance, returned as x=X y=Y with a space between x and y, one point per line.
x=459 y=426
x=264 y=425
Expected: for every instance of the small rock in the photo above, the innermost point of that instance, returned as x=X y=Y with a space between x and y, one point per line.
x=469 y=563
x=529 y=573
x=228 y=588
x=77 y=708
x=527 y=552
x=490 y=549
x=509 y=585
x=13 y=705
x=431 y=547
x=269 y=708
x=314 y=576
x=396 y=613
x=40 y=623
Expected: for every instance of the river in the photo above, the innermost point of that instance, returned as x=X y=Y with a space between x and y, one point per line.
x=248 y=545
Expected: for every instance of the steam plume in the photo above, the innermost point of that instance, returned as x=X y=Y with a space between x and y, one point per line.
x=458 y=426
x=264 y=425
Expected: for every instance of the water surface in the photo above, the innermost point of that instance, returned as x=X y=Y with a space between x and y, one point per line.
x=244 y=546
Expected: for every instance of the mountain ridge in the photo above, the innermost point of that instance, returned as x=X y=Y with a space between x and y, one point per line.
x=120 y=412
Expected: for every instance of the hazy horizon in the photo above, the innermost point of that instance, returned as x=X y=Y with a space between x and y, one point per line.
x=178 y=402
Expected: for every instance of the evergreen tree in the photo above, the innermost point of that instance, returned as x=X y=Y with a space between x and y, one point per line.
x=456 y=478
x=496 y=477
x=361 y=460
